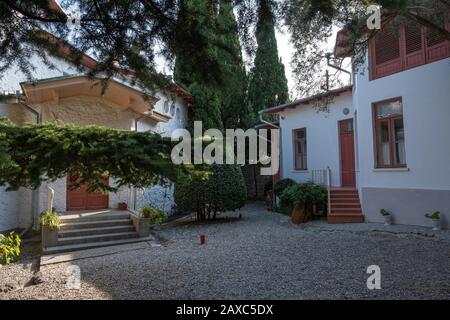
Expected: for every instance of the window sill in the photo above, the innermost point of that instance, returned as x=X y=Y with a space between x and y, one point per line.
x=391 y=169
x=300 y=171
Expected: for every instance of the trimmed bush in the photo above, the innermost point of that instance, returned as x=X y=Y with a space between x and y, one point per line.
x=156 y=216
x=211 y=189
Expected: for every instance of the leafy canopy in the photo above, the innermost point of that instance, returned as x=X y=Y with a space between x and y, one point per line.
x=31 y=154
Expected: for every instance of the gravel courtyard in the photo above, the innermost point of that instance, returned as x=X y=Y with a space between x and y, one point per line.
x=261 y=256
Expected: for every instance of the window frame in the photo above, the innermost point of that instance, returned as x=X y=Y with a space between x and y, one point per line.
x=391 y=134
x=401 y=63
x=295 y=140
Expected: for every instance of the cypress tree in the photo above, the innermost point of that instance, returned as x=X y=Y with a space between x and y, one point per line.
x=196 y=67
x=234 y=109
x=268 y=84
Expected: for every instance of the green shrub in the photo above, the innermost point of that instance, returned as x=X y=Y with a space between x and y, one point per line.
x=434 y=216
x=210 y=189
x=50 y=219
x=156 y=216
x=9 y=247
x=282 y=185
x=384 y=213
x=305 y=194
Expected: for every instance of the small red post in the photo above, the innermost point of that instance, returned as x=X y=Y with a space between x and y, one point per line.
x=202 y=239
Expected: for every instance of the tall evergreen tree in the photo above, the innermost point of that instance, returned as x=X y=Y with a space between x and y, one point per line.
x=268 y=84
x=196 y=69
x=234 y=107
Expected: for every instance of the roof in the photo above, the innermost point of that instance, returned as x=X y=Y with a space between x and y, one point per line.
x=307 y=100
x=342 y=47
x=121 y=93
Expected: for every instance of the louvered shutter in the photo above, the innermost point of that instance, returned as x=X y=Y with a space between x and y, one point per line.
x=414 y=45
x=437 y=45
x=386 y=52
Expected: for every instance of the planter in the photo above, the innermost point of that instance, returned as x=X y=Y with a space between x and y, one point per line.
x=122 y=206
x=49 y=237
x=436 y=224
x=298 y=214
x=387 y=220
x=142 y=225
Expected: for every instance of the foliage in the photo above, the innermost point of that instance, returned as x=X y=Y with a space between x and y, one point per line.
x=282 y=185
x=136 y=31
x=268 y=83
x=305 y=193
x=9 y=247
x=37 y=153
x=234 y=107
x=50 y=219
x=384 y=213
x=434 y=216
x=156 y=216
x=211 y=189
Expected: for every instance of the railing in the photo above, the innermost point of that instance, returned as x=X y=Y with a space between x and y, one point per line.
x=323 y=177
x=328 y=184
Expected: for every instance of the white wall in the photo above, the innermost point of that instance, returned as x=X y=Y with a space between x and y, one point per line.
x=322 y=138
x=425 y=92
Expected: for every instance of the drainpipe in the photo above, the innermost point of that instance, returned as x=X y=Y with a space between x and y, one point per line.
x=281 y=154
x=133 y=189
x=328 y=56
x=35 y=191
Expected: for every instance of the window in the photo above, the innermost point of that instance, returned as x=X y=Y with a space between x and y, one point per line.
x=172 y=109
x=389 y=134
x=166 y=106
x=404 y=45
x=299 y=136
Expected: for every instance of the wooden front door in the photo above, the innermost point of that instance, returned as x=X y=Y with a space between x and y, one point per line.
x=81 y=199
x=347 y=153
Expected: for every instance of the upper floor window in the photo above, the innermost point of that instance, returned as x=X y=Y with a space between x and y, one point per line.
x=166 y=106
x=389 y=134
x=401 y=46
x=299 y=136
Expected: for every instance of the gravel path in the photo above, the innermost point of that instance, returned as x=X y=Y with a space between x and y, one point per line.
x=261 y=256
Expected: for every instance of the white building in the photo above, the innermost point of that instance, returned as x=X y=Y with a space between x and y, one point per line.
x=386 y=137
x=65 y=95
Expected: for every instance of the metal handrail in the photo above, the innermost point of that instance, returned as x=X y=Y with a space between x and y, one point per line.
x=329 y=189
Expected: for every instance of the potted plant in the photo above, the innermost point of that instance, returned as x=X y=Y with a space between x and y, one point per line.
x=50 y=223
x=123 y=206
x=149 y=216
x=435 y=217
x=297 y=198
x=387 y=217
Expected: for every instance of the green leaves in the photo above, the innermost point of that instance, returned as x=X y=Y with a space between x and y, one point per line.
x=50 y=219
x=32 y=154
x=9 y=247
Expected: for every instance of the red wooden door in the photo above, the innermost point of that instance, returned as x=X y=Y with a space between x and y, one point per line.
x=81 y=199
x=347 y=153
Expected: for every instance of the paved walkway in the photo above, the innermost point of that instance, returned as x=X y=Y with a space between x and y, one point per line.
x=261 y=256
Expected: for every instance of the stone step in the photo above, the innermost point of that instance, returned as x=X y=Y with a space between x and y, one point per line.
x=345 y=218
x=91 y=245
x=345 y=205
x=87 y=217
x=94 y=231
x=344 y=200
x=345 y=210
x=97 y=238
x=94 y=224
x=344 y=196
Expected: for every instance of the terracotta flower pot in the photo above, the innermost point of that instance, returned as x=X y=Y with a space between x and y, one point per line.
x=298 y=214
x=123 y=206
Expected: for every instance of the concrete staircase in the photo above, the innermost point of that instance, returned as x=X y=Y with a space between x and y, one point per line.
x=345 y=206
x=79 y=232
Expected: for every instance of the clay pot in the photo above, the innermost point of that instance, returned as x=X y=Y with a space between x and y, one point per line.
x=122 y=206
x=298 y=214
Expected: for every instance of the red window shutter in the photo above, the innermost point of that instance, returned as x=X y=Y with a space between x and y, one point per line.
x=414 y=45
x=386 y=52
x=437 y=45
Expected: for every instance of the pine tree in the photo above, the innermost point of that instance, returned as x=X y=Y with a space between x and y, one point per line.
x=197 y=66
x=234 y=107
x=268 y=84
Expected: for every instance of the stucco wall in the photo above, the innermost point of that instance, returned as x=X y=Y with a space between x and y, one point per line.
x=321 y=135
x=423 y=186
